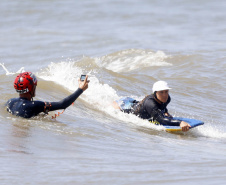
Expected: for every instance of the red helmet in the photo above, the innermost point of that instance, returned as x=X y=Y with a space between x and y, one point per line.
x=25 y=82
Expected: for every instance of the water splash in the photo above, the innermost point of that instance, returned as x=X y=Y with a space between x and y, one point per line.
x=100 y=96
x=213 y=130
x=21 y=70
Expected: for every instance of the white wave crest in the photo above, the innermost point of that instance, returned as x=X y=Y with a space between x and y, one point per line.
x=67 y=74
x=132 y=59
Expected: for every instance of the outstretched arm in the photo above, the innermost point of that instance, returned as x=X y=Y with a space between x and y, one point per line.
x=170 y=121
x=66 y=102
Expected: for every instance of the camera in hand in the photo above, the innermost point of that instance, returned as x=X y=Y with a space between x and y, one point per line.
x=83 y=77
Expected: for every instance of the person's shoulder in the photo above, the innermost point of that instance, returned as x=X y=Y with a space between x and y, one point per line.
x=12 y=100
x=150 y=100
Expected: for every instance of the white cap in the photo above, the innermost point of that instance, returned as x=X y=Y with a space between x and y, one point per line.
x=160 y=86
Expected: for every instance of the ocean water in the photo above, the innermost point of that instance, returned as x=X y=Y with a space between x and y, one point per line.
x=124 y=46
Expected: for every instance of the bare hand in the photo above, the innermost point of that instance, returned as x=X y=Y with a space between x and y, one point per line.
x=185 y=126
x=83 y=84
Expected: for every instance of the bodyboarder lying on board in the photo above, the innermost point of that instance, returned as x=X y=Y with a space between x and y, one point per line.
x=152 y=107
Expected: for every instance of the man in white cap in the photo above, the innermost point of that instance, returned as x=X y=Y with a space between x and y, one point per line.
x=152 y=107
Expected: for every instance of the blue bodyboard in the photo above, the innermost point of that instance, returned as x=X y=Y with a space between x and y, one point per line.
x=192 y=122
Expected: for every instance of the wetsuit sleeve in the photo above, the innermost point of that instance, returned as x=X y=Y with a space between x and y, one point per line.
x=66 y=102
x=158 y=115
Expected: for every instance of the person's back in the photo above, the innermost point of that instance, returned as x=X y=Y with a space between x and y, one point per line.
x=24 y=108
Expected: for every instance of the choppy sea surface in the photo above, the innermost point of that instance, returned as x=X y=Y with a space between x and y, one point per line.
x=124 y=46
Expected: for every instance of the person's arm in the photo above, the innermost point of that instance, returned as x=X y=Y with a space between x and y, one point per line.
x=66 y=102
x=152 y=109
x=170 y=121
x=158 y=116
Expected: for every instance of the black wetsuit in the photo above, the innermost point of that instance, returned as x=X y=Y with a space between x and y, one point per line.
x=150 y=109
x=27 y=109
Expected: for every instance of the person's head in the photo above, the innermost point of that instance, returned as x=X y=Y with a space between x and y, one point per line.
x=161 y=91
x=25 y=83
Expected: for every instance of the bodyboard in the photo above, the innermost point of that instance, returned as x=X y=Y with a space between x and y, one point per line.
x=192 y=122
